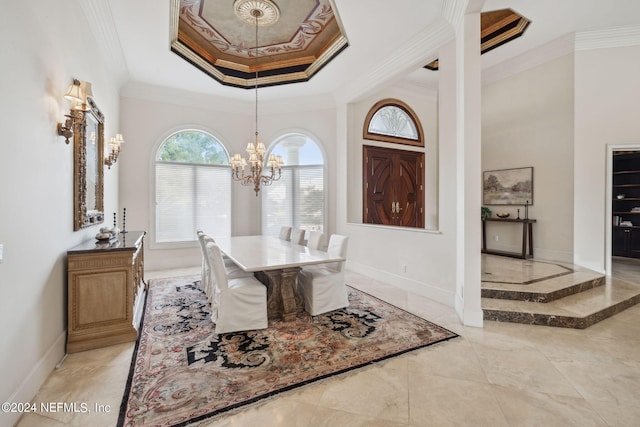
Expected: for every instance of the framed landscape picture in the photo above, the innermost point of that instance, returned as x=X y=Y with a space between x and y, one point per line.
x=508 y=187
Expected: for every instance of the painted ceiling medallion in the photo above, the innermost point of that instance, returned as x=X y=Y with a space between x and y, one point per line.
x=218 y=37
x=265 y=11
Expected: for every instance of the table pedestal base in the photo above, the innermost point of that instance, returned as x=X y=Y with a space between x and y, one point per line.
x=283 y=302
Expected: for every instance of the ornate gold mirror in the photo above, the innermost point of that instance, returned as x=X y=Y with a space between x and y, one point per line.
x=88 y=144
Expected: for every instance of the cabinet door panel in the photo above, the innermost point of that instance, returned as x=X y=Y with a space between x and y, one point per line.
x=110 y=296
x=634 y=243
x=618 y=242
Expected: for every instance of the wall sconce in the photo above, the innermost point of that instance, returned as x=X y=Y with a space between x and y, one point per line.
x=77 y=93
x=116 y=145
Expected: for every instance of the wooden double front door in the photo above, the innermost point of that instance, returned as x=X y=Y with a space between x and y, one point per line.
x=393 y=187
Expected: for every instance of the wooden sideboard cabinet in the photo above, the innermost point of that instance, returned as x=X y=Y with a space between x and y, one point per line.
x=106 y=292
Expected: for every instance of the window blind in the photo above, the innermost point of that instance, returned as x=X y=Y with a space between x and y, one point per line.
x=296 y=200
x=191 y=197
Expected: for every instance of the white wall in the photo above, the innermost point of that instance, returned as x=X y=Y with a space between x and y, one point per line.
x=147 y=122
x=382 y=251
x=607 y=89
x=40 y=55
x=527 y=120
x=425 y=105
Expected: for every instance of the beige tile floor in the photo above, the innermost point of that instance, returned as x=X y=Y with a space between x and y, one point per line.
x=501 y=375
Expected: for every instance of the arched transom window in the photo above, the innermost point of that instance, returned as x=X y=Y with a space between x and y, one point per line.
x=391 y=120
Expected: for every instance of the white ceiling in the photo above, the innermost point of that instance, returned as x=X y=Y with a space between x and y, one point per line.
x=381 y=34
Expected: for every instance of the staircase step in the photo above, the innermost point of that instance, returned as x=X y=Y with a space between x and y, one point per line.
x=542 y=289
x=577 y=311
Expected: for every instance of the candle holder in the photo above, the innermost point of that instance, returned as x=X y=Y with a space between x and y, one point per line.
x=115 y=230
x=124 y=221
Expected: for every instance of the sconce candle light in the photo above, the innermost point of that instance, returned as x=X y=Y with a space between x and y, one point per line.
x=77 y=93
x=116 y=145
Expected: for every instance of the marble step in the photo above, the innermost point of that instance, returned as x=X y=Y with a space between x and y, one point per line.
x=577 y=311
x=558 y=283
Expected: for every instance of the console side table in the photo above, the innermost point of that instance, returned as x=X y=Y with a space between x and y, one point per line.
x=527 y=237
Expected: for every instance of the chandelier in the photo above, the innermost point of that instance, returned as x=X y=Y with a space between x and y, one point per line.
x=259 y=13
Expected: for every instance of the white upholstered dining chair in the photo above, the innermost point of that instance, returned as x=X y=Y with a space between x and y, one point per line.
x=297 y=236
x=322 y=286
x=315 y=239
x=207 y=278
x=285 y=233
x=240 y=303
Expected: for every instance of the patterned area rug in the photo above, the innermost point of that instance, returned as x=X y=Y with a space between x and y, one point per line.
x=182 y=372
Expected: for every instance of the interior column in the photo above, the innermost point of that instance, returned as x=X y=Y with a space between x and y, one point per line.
x=460 y=98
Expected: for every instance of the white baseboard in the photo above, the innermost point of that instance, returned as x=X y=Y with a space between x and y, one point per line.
x=474 y=318
x=37 y=376
x=426 y=290
x=553 y=255
x=459 y=307
x=539 y=253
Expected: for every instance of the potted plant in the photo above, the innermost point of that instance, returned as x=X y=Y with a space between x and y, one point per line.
x=486 y=213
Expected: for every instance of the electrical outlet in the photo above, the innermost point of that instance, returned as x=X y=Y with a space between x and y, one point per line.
x=496 y=238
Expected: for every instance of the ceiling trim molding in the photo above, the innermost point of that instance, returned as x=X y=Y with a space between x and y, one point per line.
x=184 y=98
x=608 y=38
x=408 y=89
x=573 y=42
x=188 y=99
x=102 y=25
x=411 y=56
x=453 y=11
x=532 y=58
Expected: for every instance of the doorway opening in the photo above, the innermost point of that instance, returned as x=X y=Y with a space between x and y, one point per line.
x=623 y=210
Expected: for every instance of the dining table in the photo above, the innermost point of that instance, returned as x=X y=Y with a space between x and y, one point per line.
x=276 y=264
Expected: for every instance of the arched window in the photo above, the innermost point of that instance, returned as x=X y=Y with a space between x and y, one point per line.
x=192 y=187
x=391 y=120
x=298 y=198
x=393 y=179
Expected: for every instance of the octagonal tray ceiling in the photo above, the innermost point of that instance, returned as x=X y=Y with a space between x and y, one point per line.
x=208 y=34
x=496 y=28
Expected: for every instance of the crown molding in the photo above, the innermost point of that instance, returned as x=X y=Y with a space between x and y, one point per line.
x=608 y=38
x=580 y=41
x=184 y=98
x=409 y=57
x=532 y=58
x=453 y=11
x=409 y=89
x=102 y=25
